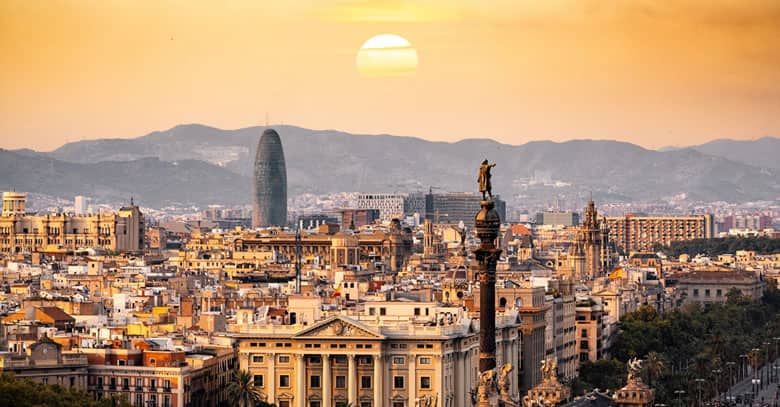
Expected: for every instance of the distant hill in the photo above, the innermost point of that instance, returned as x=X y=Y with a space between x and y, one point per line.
x=214 y=166
x=763 y=152
x=153 y=182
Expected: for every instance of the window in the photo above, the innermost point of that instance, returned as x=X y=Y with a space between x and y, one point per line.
x=284 y=359
x=382 y=311
x=399 y=360
x=314 y=382
x=284 y=403
x=365 y=382
x=139 y=399
x=707 y=292
x=139 y=383
x=341 y=382
x=425 y=382
x=398 y=404
x=398 y=382
x=284 y=380
x=167 y=401
x=153 y=384
x=167 y=385
x=425 y=361
x=417 y=312
x=258 y=380
x=73 y=381
x=365 y=404
x=257 y=359
x=372 y=311
x=314 y=404
x=125 y=383
x=695 y=292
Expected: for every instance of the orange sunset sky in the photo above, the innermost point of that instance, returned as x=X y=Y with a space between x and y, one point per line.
x=651 y=72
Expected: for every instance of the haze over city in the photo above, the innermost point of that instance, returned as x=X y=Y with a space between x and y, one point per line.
x=654 y=73
x=390 y=203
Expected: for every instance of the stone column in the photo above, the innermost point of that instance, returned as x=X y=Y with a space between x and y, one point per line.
x=327 y=396
x=438 y=382
x=412 y=379
x=460 y=389
x=487 y=224
x=271 y=382
x=376 y=382
x=352 y=381
x=300 y=385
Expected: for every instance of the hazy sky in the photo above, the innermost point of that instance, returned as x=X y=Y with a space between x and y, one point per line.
x=655 y=73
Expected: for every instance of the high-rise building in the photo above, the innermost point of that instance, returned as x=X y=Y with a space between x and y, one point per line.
x=355 y=218
x=391 y=206
x=641 y=233
x=270 y=186
x=558 y=218
x=456 y=207
x=80 y=205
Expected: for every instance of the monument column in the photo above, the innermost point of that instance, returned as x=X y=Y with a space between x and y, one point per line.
x=487 y=223
x=327 y=396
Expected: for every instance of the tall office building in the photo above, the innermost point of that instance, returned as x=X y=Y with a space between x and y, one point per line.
x=270 y=186
x=80 y=205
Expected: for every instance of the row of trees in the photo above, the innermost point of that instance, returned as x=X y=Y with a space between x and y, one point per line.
x=692 y=349
x=27 y=393
x=718 y=246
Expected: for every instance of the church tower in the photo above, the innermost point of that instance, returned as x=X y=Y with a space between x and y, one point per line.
x=591 y=229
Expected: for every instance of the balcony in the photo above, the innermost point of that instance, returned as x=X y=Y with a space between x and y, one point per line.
x=167 y=389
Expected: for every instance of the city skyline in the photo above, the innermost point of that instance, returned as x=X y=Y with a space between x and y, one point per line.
x=651 y=73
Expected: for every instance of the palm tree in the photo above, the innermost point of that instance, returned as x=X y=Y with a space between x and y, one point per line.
x=243 y=392
x=654 y=365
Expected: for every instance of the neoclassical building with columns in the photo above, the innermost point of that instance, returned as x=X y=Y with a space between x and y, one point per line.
x=372 y=362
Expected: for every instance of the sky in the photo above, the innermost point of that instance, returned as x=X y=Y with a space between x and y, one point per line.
x=650 y=72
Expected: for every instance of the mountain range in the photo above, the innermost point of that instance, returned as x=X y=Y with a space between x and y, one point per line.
x=200 y=165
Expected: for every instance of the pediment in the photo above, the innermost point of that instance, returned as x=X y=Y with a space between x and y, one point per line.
x=340 y=327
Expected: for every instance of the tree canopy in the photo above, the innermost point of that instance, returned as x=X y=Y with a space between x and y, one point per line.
x=27 y=393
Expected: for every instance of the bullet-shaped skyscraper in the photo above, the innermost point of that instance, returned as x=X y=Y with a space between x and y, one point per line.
x=270 y=186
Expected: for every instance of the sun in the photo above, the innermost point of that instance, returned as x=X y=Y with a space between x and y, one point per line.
x=387 y=55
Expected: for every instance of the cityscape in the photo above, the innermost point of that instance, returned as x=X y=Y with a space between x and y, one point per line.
x=250 y=262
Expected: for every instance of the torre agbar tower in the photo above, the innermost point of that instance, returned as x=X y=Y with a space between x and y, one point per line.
x=270 y=182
